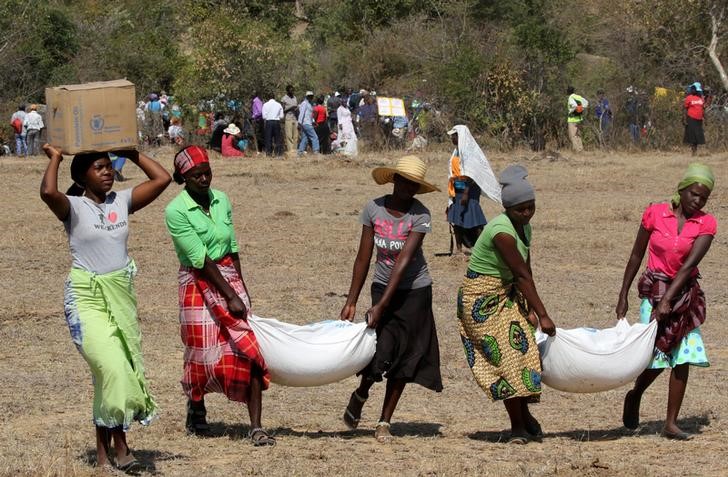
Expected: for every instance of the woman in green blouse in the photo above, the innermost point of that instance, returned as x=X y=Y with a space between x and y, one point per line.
x=221 y=351
x=498 y=308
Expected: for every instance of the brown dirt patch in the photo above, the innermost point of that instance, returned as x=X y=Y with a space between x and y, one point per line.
x=296 y=221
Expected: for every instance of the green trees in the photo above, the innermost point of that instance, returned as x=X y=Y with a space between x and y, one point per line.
x=237 y=56
x=500 y=66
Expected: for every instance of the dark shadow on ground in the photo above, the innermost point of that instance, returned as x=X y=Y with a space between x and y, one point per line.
x=399 y=429
x=691 y=425
x=147 y=459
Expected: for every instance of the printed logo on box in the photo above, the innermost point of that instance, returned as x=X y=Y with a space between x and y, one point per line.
x=97 y=123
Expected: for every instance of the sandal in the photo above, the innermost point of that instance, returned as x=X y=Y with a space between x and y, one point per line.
x=677 y=436
x=260 y=438
x=518 y=440
x=352 y=414
x=382 y=432
x=129 y=464
x=196 y=423
x=631 y=412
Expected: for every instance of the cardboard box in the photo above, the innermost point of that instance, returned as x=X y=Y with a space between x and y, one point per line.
x=92 y=117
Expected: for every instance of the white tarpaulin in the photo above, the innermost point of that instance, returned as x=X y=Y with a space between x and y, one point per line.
x=475 y=165
x=390 y=107
x=587 y=360
x=315 y=354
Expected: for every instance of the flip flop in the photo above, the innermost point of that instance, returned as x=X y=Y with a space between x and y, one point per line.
x=260 y=438
x=679 y=436
x=130 y=465
x=630 y=412
x=518 y=439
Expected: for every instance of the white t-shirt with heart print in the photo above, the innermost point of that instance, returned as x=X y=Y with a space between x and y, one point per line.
x=98 y=233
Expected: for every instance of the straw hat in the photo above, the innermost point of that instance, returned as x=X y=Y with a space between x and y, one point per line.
x=232 y=129
x=409 y=167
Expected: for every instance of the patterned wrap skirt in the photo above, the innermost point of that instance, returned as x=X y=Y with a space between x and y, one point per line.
x=220 y=349
x=499 y=342
x=101 y=312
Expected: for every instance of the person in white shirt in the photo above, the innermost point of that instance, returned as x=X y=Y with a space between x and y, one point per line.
x=175 y=132
x=33 y=124
x=272 y=116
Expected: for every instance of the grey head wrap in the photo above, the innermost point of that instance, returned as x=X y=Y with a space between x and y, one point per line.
x=515 y=189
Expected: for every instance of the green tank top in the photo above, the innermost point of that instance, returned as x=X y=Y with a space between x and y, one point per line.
x=486 y=259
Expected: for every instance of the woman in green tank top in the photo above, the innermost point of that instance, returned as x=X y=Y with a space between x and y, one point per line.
x=498 y=309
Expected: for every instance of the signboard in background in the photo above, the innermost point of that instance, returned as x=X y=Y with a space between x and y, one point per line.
x=90 y=117
x=390 y=106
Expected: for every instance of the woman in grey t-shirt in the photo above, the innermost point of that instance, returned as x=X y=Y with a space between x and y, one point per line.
x=407 y=346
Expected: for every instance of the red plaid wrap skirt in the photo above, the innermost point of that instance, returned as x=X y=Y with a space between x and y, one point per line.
x=220 y=349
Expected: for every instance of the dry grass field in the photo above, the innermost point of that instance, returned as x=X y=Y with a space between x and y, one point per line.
x=296 y=221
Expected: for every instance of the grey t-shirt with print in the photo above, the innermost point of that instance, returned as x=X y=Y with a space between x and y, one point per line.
x=97 y=233
x=390 y=235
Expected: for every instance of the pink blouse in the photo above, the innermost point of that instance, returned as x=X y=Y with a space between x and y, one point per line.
x=668 y=249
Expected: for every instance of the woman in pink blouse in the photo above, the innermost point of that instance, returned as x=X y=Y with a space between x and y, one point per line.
x=678 y=235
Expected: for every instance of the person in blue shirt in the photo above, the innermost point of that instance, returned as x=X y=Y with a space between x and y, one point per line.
x=604 y=114
x=305 y=121
x=155 y=126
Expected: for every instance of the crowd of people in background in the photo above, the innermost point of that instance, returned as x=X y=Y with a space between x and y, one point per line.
x=636 y=111
x=341 y=122
x=334 y=123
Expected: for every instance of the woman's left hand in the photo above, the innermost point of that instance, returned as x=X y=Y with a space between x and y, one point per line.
x=373 y=315
x=662 y=310
x=237 y=308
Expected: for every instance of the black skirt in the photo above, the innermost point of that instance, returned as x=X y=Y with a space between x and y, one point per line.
x=694 y=132
x=407 y=346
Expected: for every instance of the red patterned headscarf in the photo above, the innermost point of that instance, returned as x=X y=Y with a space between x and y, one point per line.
x=188 y=158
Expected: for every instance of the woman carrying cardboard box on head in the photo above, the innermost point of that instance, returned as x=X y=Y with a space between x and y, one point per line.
x=100 y=302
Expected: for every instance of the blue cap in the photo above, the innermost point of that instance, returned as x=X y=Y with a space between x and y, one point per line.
x=697 y=86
